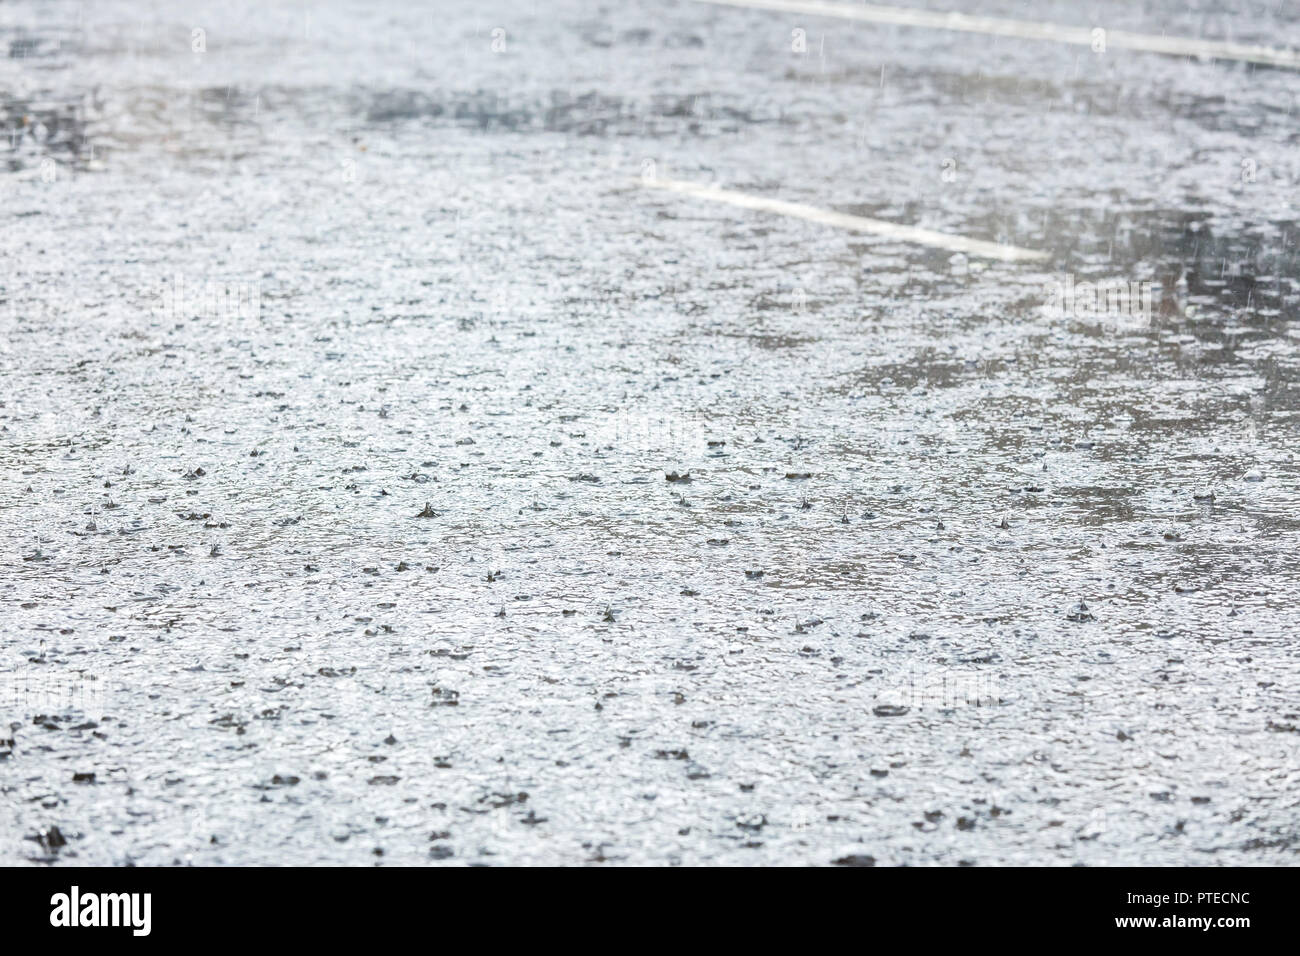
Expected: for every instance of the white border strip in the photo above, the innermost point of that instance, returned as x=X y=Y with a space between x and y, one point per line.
x=997 y=26
x=877 y=227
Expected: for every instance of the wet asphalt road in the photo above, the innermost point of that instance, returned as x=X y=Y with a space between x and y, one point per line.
x=954 y=578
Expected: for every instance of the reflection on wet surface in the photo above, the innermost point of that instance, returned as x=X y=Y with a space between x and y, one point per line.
x=471 y=504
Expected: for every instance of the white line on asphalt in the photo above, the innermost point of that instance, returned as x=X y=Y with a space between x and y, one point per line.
x=997 y=26
x=877 y=227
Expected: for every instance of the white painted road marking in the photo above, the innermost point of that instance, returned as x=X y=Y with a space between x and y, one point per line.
x=877 y=227
x=997 y=26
